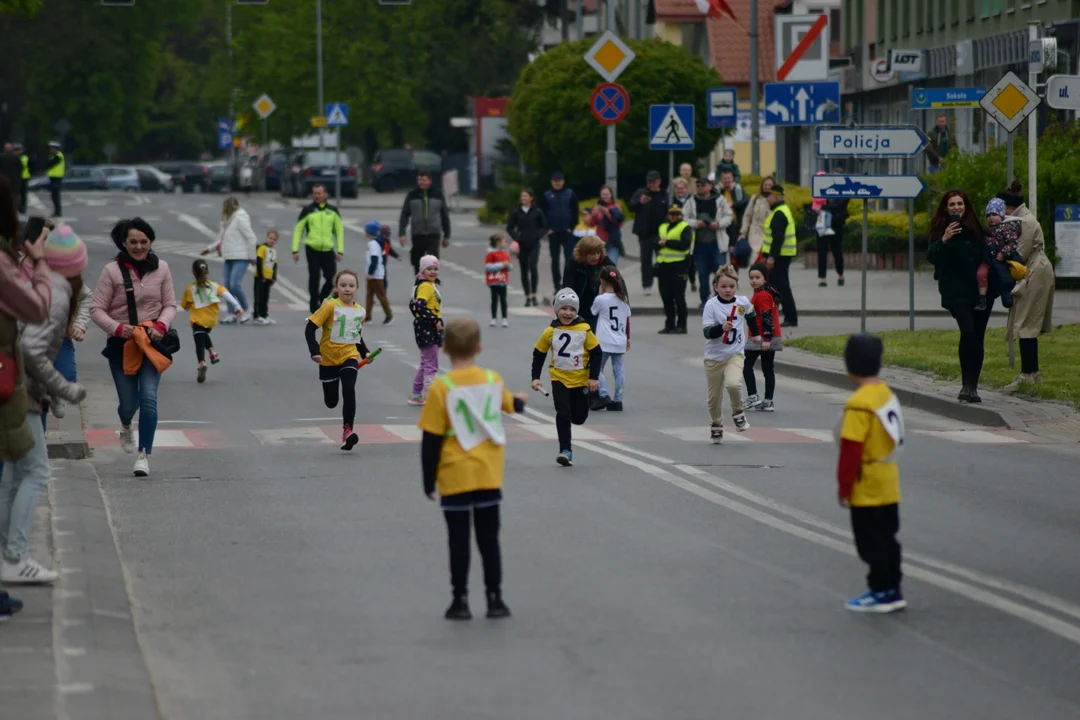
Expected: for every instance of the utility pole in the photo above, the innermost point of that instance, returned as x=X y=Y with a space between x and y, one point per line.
x=232 y=90
x=755 y=131
x=1033 y=131
x=318 y=53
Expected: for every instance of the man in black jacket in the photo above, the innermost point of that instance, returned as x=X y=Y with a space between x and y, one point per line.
x=426 y=208
x=838 y=207
x=650 y=207
x=560 y=206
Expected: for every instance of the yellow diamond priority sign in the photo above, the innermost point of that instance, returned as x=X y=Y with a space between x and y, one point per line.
x=609 y=56
x=1010 y=101
x=264 y=106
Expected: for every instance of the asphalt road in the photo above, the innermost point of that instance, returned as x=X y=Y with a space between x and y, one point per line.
x=273 y=576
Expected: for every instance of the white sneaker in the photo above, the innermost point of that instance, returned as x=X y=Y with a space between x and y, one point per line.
x=229 y=320
x=741 y=423
x=245 y=319
x=270 y=321
x=753 y=401
x=506 y=323
x=127 y=439
x=493 y=323
x=260 y=321
x=142 y=465
x=27 y=572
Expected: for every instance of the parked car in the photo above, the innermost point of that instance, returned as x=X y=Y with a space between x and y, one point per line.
x=189 y=176
x=272 y=170
x=76 y=177
x=395 y=169
x=122 y=177
x=290 y=175
x=221 y=176
x=320 y=166
x=153 y=180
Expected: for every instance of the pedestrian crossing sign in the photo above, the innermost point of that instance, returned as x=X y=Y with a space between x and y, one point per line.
x=671 y=127
x=337 y=115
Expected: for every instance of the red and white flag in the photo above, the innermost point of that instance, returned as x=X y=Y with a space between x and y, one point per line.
x=715 y=8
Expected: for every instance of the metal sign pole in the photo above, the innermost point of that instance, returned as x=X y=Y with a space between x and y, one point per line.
x=865 y=232
x=611 y=159
x=911 y=257
x=1008 y=179
x=671 y=175
x=337 y=164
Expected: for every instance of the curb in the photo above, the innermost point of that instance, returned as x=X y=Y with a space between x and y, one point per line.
x=69 y=442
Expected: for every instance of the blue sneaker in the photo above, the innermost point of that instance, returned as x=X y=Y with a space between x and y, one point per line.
x=881 y=602
x=9 y=605
x=565 y=458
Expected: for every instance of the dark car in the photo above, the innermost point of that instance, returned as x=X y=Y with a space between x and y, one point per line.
x=396 y=169
x=221 y=177
x=310 y=167
x=272 y=170
x=153 y=180
x=291 y=186
x=189 y=176
x=76 y=177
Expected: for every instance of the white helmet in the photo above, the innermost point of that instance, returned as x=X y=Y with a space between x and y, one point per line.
x=566 y=298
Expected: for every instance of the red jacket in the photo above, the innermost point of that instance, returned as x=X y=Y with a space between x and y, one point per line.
x=764 y=302
x=496 y=277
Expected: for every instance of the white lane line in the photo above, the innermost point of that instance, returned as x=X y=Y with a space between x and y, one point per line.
x=34 y=202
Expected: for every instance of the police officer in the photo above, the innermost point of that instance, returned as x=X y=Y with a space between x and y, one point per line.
x=24 y=176
x=55 y=172
x=672 y=263
x=779 y=249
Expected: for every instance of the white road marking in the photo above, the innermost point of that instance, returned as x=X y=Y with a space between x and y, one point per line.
x=292 y=436
x=33 y=201
x=75 y=688
x=822 y=435
x=550 y=432
x=700 y=433
x=974 y=437
x=405 y=432
x=172 y=439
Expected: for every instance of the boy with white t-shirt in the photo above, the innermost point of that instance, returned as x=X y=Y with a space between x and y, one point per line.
x=612 y=312
x=376 y=273
x=726 y=321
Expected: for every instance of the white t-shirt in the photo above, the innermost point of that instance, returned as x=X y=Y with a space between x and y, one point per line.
x=375 y=250
x=612 y=315
x=732 y=342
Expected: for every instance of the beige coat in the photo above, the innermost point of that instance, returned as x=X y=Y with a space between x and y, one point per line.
x=1033 y=297
x=753 y=223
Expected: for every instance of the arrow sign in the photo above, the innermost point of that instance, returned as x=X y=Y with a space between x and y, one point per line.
x=867 y=187
x=876 y=142
x=800 y=98
x=777 y=109
x=1063 y=92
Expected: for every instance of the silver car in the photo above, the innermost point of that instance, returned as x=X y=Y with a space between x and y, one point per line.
x=122 y=177
x=153 y=180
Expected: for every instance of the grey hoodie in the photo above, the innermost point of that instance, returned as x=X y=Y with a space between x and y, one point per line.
x=708 y=210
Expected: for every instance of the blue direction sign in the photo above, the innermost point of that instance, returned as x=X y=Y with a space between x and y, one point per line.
x=802 y=103
x=671 y=127
x=932 y=98
x=877 y=142
x=224 y=133
x=337 y=115
x=722 y=104
x=867 y=187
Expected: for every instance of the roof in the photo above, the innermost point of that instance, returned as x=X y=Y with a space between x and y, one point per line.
x=677 y=11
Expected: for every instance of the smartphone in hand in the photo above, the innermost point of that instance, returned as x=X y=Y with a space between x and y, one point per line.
x=32 y=229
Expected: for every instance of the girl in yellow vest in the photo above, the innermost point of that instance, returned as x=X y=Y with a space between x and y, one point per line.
x=201 y=299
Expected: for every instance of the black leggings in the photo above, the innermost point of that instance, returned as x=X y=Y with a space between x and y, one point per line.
x=1029 y=355
x=202 y=341
x=498 y=299
x=824 y=244
x=972 y=324
x=346 y=376
x=530 y=267
x=767 y=359
x=571 y=408
x=486 y=520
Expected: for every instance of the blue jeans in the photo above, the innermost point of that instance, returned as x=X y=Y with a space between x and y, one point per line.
x=612 y=254
x=138 y=392
x=234 y=280
x=709 y=259
x=20 y=488
x=617 y=371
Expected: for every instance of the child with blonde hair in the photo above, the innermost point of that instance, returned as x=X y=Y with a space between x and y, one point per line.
x=726 y=322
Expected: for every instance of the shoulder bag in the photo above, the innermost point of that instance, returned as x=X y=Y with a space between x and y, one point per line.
x=169 y=344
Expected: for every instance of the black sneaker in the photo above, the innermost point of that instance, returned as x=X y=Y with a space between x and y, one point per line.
x=459 y=609
x=9 y=605
x=822 y=283
x=974 y=398
x=965 y=394
x=496 y=608
x=679 y=331
x=388 y=321
x=665 y=331
x=615 y=405
x=598 y=401
x=981 y=304
x=840 y=282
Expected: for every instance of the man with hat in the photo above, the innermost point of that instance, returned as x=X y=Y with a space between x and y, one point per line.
x=779 y=249
x=649 y=205
x=672 y=263
x=561 y=210
x=55 y=173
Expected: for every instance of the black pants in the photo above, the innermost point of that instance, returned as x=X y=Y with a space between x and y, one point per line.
x=202 y=342
x=529 y=258
x=320 y=262
x=262 y=298
x=561 y=243
x=346 y=376
x=767 y=369
x=1029 y=355
x=646 y=248
x=875 y=531
x=672 y=280
x=24 y=192
x=54 y=190
x=498 y=299
x=423 y=245
x=781 y=280
x=571 y=408
x=972 y=325
x=824 y=244
x=486 y=521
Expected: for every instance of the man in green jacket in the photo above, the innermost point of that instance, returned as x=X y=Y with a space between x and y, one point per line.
x=325 y=233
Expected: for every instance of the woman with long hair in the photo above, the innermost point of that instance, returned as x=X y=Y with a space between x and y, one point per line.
x=753 y=219
x=237 y=244
x=956 y=251
x=607 y=217
x=527 y=226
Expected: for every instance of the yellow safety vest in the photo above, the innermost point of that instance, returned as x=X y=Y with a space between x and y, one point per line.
x=25 y=167
x=57 y=170
x=791 y=242
x=668 y=255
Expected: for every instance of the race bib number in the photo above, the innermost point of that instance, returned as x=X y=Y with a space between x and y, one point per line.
x=892 y=419
x=346 y=326
x=569 y=348
x=204 y=296
x=476 y=414
x=271 y=255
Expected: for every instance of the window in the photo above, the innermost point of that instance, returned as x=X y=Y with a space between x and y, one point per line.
x=880 y=20
x=991 y=7
x=906 y=13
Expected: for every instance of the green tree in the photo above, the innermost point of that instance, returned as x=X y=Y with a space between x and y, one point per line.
x=26 y=7
x=553 y=127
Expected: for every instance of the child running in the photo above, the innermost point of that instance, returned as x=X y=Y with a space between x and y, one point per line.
x=265 y=277
x=765 y=301
x=726 y=320
x=871 y=436
x=426 y=307
x=463 y=454
x=497 y=267
x=612 y=311
x=340 y=349
x=201 y=300
x=376 y=273
x=575 y=367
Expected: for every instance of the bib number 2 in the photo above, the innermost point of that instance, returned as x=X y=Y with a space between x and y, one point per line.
x=569 y=348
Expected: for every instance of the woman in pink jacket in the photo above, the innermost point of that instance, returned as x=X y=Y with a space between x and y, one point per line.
x=155 y=301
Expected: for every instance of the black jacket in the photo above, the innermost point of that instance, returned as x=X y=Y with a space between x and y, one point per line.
x=527 y=227
x=839 y=209
x=585 y=281
x=649 y=216
x=955 y=266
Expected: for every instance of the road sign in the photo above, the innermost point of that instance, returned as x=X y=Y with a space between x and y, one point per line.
x=867 y=187
x=873 y=142
x=802 y=48
x=1067 y=240
x=1063 y=92
x=802 y=103
x=318 y=121
x=264 y=106
x=671 y=127
x=1010 y=101
x=933 y=98
x=337 y=115
x=722 y=104
x=609 y=56
x=224 y=133
x=609 y=103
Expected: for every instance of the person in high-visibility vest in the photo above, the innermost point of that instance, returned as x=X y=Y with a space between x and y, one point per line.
x=672 y=263
x=780 y=246
x=24 y=176
x=55 y=173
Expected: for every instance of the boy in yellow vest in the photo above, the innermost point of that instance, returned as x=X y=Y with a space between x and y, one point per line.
x=463 y=453
x=871 y=436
